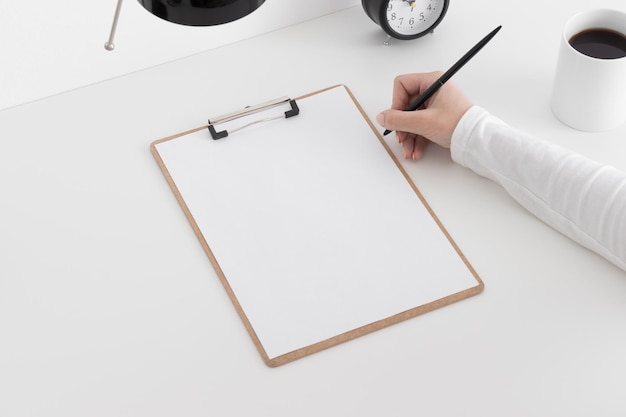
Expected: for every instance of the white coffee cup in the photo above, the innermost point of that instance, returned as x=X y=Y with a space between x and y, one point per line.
x=589 y=93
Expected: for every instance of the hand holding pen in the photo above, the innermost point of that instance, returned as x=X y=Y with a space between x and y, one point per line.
x=435 y=123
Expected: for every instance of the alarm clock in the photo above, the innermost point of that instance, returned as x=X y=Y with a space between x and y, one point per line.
x=406 y=19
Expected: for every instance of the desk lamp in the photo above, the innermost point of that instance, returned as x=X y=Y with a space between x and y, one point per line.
x=191 y=12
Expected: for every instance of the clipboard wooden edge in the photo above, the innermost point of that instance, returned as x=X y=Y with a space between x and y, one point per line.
x=349 y=335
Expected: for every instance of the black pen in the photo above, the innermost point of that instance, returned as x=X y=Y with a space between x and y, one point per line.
x=448 y=74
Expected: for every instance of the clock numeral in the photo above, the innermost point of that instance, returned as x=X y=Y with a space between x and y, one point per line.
x=407 y=19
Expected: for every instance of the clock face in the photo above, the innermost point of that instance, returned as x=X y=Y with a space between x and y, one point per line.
x=410 y=18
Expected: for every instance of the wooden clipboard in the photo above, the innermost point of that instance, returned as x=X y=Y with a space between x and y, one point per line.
x=306 y=219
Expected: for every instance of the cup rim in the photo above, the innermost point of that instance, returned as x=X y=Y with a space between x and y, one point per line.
x=592 y=14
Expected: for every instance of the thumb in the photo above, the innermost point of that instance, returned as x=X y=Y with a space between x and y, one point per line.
x=404 y=121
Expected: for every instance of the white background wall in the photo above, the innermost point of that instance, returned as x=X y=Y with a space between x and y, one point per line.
x=48 y=47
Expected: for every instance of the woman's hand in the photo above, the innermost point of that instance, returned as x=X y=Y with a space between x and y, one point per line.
x=434 y=122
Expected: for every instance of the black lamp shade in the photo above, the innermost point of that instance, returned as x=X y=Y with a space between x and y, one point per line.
x=201 y=12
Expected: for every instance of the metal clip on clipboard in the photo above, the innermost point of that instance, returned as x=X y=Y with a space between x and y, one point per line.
x=252 y=110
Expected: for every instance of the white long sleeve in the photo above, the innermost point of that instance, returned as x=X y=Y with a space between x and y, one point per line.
x=581 y=198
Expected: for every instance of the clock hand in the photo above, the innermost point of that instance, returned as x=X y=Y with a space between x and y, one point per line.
x=412 y=3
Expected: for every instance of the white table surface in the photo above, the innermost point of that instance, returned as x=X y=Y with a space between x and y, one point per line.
x=109 y=306
x=53 y=47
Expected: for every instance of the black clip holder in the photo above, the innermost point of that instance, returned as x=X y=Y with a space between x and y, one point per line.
x=295 y=110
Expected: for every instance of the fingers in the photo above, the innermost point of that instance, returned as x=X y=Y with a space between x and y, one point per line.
x=414 y=148
x=408 y=86
x=413 y=145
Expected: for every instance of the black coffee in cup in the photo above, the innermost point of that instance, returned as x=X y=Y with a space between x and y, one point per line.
x=600 y=43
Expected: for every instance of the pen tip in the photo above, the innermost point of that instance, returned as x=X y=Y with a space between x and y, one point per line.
x=386 y=132
x=493 y=32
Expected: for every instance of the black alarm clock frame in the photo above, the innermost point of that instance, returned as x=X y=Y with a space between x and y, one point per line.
x=406 y=19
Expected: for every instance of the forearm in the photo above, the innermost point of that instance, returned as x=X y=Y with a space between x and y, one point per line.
x=581 y=198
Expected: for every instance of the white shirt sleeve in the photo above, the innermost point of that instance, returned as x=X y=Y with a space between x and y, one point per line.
x=581 y=198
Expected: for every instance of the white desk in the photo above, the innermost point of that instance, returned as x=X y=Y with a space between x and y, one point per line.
x=109 y=307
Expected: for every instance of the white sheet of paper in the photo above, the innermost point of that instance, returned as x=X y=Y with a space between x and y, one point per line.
x=315 y=228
